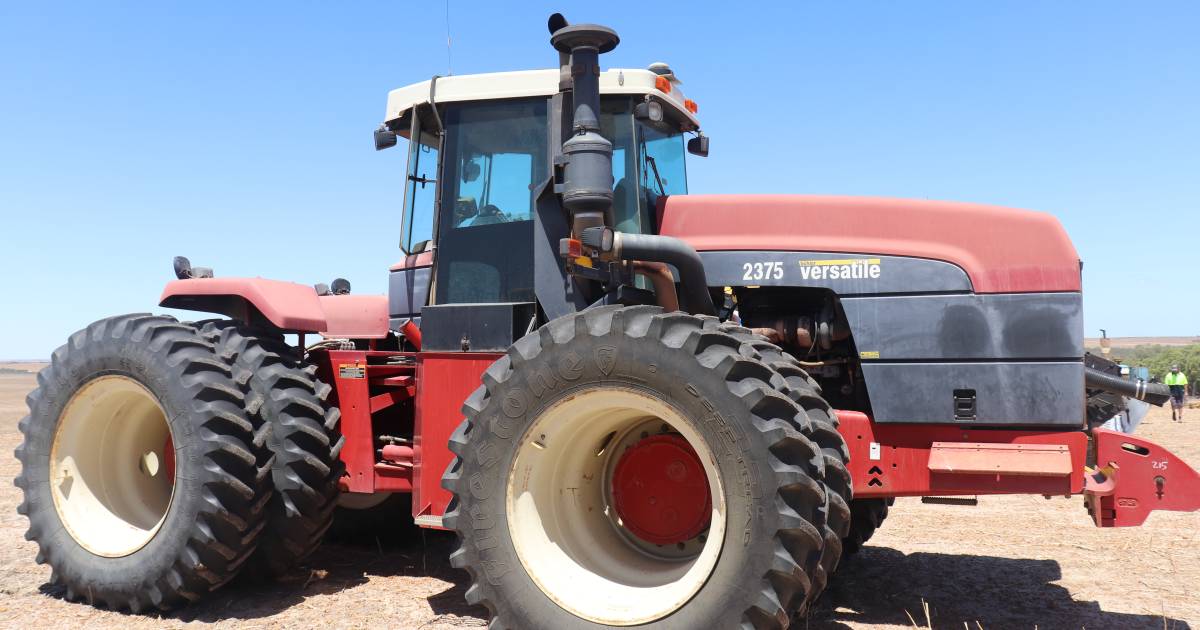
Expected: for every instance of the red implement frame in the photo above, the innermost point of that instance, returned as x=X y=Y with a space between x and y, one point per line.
x=1136 y=477
x=900 y=460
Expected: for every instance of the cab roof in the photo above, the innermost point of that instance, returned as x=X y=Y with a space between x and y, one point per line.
x=524 y=83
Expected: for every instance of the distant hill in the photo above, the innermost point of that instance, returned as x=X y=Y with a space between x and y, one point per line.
x=1133 y=342
x=21 y=367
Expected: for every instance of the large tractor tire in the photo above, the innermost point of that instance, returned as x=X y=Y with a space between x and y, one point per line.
x=866 y=516
x=144 y=479
x=803 y=389
x=283 y=392
x=624 y=466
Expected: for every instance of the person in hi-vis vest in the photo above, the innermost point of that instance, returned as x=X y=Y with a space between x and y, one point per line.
x=1177 y=381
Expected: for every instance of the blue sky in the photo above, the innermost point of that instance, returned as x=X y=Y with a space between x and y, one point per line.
x=239 y=133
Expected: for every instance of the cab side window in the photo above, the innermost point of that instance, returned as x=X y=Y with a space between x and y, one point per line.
x=420 y=189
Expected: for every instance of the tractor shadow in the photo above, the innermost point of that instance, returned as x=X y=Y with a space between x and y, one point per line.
x=880 y=586
x=336 y=567
x=339 y=565
x=884 y=586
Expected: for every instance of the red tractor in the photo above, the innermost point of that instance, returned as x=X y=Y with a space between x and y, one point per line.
x=692 y=407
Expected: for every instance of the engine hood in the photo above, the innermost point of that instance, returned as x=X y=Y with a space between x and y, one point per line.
x=1002 y=250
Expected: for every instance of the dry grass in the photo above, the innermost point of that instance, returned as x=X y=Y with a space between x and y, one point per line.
x=1010 y=562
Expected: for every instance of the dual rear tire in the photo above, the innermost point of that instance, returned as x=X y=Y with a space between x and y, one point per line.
x=304 y=440
x=160 y=459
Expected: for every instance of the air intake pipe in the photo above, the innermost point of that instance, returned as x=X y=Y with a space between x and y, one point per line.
x=663 y=249
x=1153 y=393
x=587 y=188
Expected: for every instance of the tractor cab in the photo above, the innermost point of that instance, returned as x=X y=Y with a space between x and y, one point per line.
x=482 y=150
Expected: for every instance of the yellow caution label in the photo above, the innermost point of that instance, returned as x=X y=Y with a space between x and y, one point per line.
x=352 y=370
x=871 y=354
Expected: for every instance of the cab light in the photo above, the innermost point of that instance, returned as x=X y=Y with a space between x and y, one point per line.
x=663 y=84
x=690 y=105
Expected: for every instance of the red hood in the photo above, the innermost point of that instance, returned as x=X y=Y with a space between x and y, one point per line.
x=1002 y=250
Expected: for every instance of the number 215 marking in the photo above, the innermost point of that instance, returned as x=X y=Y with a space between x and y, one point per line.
x=762 y=271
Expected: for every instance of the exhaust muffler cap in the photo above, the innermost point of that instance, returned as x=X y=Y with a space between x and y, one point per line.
x=575 y=36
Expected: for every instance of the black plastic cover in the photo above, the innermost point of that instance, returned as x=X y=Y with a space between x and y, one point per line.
x=491 y=327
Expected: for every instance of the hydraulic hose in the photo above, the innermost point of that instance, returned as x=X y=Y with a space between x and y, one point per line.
x=1153 y=393
x=670 y=250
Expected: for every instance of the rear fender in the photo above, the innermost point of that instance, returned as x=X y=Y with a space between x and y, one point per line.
x=286 y=306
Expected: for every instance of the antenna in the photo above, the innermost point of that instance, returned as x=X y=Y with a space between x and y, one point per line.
x=449 y=71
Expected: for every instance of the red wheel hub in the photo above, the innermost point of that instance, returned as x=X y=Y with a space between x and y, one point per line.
x=660 y=490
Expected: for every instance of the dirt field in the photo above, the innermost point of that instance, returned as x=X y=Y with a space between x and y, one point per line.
x=1020 y=562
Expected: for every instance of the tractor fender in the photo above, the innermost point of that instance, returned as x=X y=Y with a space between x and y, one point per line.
x=355 y=316
x=287 y=306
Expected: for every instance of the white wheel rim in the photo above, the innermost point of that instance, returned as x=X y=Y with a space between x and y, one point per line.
x=110 y=476
x=565 y=530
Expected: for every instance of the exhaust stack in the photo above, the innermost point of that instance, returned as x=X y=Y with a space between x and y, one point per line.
x=588 y=182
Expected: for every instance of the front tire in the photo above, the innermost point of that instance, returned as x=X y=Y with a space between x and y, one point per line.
x=538 y=480
x=839 y=489
x=140 y=470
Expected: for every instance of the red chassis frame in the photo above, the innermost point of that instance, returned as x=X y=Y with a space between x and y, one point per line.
x=369 y=383
x=1133 y=476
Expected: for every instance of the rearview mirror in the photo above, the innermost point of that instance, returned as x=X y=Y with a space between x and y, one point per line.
x=384 y=138
x=698 y=146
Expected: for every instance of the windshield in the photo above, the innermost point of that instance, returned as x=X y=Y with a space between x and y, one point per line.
x=663 y=167
x=616 y=124
x=648 y=162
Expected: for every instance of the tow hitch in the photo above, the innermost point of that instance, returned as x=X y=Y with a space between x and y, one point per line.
x=1134 y=477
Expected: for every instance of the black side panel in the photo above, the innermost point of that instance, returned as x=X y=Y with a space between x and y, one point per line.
x=485 y=263
x=931 y=350
x=845 y=274
x=408 y=292
x=474 y=327
x=998 y=359
x=993 y=393
x=987 y=326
